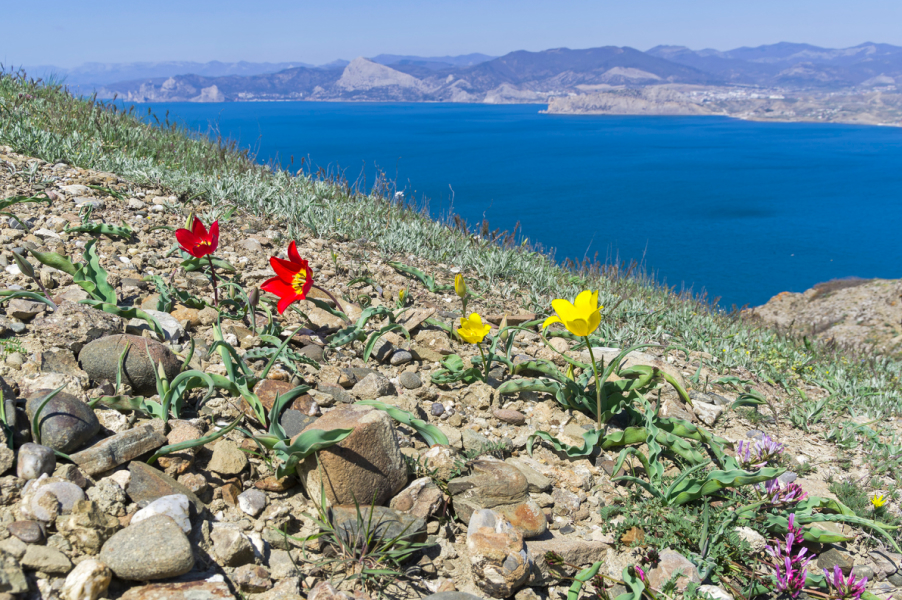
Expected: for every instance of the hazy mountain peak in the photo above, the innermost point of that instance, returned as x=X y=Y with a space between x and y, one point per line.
x=364 y=74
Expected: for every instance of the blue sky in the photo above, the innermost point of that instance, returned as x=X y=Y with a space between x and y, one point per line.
x=70 y=33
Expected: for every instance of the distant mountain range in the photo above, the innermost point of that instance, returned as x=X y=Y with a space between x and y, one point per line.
x=99 y=74
x=794 y=65
x=515 y=77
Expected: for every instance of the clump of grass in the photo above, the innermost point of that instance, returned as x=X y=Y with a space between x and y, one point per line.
x=362 y=550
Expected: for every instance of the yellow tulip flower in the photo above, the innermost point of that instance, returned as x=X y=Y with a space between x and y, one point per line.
x=580 y=318
x=460 y=286
x=472 y=329
x=878 y=500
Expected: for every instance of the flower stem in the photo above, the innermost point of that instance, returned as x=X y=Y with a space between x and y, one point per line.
x=597 y=384
x=485 y=363
x=334 y=299
x=37 y=280
x=213 y=279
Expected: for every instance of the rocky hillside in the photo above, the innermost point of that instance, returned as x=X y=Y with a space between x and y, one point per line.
x=105 y=496
x=864 y=314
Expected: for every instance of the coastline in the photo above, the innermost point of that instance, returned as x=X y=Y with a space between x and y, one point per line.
x=612 y=104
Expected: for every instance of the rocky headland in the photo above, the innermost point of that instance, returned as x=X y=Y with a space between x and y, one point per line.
x=860 y=314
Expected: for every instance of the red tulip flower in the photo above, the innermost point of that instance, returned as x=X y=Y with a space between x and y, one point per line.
x=292 y=281
x=199 y=242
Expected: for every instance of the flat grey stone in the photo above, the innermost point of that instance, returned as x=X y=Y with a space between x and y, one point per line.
x=118 y=449
x=47 y=560
x=410 y=381
x=146 y=484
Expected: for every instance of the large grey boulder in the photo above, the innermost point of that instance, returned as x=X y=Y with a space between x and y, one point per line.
x=155 y=548
x=367 y=467
x=100 y=360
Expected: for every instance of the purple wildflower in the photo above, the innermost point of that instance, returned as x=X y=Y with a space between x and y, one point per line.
x=768 y=450
x=779 y=493
x=639 y=573
x=790 y=568
x=845 y=588
x=746 y=455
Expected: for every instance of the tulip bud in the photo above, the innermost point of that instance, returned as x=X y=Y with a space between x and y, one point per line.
x=24 y=265
x=253 y=298
x=402 y=295
x=189 y=222
x=570 y=374
x=460 y=286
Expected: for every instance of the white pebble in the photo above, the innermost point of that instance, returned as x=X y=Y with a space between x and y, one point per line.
x=175 y=506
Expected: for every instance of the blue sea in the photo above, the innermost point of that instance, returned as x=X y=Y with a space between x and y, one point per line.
x=740 y=210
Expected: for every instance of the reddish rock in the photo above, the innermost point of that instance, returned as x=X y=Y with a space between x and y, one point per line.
x=501 y=487
x=366 y=467
x=230 y=493
x=271 y=484
x=191 y=590
x=269 y=389
x=513 y=417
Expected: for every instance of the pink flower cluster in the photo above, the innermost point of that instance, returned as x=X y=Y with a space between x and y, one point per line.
x=791 y=564
x=845 y=588
x=780 y=493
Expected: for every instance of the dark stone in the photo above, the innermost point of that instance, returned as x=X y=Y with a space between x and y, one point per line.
x=148 y=484
x=66 y=423
x=438 y=409
x=361 y=372
x=57 y=360
x=336 y=392
x=294 y=422
x=30 y=532
x=100 y=360
x=410 y=380
x=833 y=557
